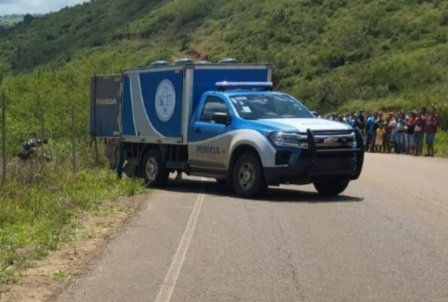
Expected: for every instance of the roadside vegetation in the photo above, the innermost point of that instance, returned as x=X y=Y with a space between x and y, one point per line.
x=40 y=204
x=441 y=144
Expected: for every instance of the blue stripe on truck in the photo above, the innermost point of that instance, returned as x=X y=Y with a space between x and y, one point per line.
x=127 y=121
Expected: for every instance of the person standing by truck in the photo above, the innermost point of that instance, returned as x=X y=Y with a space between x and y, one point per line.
x=122 y=149
x=431 y=129
x=360 y=121
x=111 y=151
x=372 y=126
x=400 y=134
x=410 y=142
x=424 y=115
x=419 y=132
x=380 y=133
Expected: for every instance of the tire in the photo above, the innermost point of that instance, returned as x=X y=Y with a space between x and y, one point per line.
x=221 y=181
x=153 y=170
x=248 y=177
x=331 y=187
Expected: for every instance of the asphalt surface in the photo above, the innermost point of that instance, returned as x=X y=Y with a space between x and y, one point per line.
x=384 y=239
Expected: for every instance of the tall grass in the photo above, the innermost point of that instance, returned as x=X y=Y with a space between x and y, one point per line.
x=39 y=203
x=441 y=144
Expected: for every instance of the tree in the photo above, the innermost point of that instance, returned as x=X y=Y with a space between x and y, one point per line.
x=27 y=19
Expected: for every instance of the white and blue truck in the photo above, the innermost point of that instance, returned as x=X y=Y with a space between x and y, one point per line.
x=222 y=121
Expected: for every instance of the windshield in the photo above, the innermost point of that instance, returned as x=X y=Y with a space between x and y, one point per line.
x=268 y=106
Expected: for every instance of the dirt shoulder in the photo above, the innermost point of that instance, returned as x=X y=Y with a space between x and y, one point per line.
x=47 y=277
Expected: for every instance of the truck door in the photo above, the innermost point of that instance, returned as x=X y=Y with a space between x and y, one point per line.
x=209 y=144
x=105 y=95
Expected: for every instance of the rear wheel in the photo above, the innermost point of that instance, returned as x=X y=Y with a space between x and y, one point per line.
x=248 y=177
x=154 y=170
x=331 y=187
x=221 y=181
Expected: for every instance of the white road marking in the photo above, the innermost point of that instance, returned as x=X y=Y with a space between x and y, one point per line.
x=173 y=273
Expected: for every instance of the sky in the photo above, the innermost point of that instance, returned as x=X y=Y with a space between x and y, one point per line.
x=34 y=6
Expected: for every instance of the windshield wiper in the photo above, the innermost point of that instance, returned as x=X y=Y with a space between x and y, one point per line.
x=268 y=116
x=289 y=116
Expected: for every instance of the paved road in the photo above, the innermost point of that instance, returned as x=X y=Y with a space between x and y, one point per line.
x=385 y=239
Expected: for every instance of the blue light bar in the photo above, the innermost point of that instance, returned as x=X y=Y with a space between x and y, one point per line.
x=240 y=85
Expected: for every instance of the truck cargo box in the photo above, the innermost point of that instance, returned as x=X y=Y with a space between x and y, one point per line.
x=158 y=101
x=105 y=95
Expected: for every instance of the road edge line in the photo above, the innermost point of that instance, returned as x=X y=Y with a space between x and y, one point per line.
x=171 y=277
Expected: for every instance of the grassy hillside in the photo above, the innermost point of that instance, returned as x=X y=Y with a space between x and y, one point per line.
x=53 y=39
x=332 y=55
x=8 y=22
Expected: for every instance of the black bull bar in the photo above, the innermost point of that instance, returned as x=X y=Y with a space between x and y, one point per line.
x=358 y=153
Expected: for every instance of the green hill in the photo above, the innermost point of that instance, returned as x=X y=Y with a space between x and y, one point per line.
x=331 y=54
x=9 y=22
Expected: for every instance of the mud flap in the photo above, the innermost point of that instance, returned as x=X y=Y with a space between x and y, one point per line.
x=130 y=169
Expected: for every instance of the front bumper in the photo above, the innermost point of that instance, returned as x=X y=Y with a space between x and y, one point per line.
x=316 y=164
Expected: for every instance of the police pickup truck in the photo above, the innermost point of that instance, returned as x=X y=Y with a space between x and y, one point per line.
x=222 y=121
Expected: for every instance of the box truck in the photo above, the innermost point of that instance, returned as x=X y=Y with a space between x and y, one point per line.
x=222 y=121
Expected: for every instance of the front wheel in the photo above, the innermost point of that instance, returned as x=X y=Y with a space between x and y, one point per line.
x=331 y=187
x=248 y=177
x=154 y=170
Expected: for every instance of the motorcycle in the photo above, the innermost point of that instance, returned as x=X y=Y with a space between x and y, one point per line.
x=30 y=150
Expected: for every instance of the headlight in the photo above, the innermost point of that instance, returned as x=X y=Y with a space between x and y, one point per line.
x=285 y=139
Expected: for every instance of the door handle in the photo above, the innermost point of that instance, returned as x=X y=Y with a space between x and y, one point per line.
x=197 y=130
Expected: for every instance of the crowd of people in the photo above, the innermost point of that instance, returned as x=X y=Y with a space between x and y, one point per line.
x=398 y=133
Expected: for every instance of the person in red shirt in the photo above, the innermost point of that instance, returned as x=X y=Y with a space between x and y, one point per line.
x=423 y=113
x=431 y=130
x=419 y=130
x=410 y=125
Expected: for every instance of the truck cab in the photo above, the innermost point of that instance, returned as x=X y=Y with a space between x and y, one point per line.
x=229 y=128
x=254 y=139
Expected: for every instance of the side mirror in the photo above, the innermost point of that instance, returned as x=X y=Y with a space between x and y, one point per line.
x=221 y=118
x=315 y=113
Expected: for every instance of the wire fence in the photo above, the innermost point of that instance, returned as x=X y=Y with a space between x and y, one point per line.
x=3 y=102
x=71 y=153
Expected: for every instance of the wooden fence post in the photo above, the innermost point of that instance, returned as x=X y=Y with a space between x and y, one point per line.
x=73 y=139
x=2 y=96
x=42 y=130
